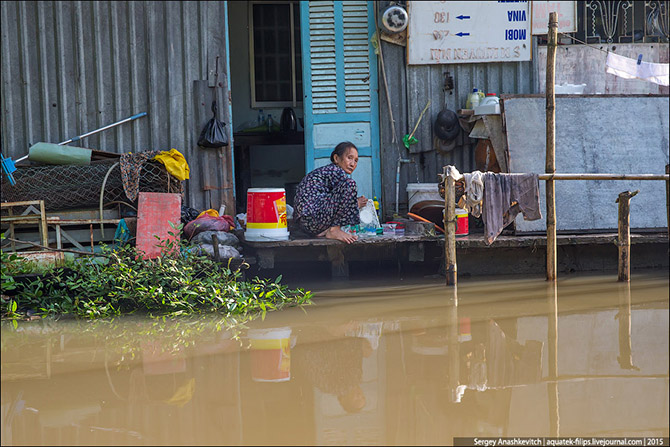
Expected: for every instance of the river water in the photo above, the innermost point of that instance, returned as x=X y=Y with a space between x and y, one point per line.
x=389 y=363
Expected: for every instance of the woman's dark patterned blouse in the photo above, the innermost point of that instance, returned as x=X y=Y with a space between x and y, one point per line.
x=326 y=197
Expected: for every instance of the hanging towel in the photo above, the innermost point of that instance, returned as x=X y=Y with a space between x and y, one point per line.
x=474 y=193
x=628 y=68
x=505 y=196
x=175 y=163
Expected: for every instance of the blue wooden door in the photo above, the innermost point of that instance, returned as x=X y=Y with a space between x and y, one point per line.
x=340 y=86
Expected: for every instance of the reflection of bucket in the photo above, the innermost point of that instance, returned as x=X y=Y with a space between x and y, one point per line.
x=266 y=215
x=461 y=221
x=464 y=332
x=270 y=354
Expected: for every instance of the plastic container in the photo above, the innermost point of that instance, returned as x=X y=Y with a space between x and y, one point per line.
x=491 y=98
x=389 y=229
x=416 y=192
x=266 y=215
x=462 y=228
x=474 y=99
x=489 y=106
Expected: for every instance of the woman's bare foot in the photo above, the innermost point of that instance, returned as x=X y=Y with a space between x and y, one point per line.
x=337 y=234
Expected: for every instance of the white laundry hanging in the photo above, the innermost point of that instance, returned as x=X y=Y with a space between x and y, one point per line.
x=628 y=68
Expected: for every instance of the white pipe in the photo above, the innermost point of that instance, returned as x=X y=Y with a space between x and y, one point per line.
x=397 y=180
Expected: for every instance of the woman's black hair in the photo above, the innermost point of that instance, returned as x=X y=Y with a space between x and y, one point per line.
x=341 y=149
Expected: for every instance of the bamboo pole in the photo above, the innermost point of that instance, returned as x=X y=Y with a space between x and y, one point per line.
x=450 y=228
x=581 y=176
x=550 y=164
x=623 y=239
x=43 y=224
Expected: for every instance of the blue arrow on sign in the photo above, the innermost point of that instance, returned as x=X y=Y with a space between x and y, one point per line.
x=461 y=17
x=462 y=34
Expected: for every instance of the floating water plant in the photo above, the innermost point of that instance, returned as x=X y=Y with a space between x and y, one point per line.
x=177 y=283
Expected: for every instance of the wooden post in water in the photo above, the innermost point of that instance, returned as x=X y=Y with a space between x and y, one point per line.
x=550 y=166
x=450 y=227
x=623 y=240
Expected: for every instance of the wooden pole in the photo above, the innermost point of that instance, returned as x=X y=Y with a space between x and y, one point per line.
x=43 y=225
x=215 y=246
x=550 y=166
x=623 y=240
x=450 y=228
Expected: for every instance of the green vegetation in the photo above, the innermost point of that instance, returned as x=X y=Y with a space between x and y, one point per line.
x=177 y=283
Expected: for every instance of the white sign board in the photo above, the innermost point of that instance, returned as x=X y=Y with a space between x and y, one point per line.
x=567 y=16
x=467 y=32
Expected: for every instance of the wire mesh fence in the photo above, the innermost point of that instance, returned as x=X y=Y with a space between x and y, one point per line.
x=69 y=186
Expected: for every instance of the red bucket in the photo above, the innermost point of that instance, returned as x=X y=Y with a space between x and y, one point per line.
x=266 y=215
x=462 y=228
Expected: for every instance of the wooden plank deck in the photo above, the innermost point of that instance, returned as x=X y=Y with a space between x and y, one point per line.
x=413 y=248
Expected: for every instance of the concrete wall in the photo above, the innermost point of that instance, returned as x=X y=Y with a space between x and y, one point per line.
x=581 y=64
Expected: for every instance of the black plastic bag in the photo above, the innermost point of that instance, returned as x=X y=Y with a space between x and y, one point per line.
x=214 y=133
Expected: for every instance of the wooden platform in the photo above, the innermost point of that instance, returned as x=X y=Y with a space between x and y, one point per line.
x=421 y=248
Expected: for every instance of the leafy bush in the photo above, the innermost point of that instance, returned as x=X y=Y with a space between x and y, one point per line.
x=178 y=282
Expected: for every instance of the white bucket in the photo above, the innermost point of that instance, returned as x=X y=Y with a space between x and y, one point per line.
x=266 y=215
x=417 y=192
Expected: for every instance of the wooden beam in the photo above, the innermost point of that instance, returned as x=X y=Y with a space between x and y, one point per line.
x=550 y=165
x=450 y=228
x=623 y=240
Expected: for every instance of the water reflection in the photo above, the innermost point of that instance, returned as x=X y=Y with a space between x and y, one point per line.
x=414 y=364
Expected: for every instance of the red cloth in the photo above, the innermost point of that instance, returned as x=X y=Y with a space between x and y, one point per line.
x=208 y=223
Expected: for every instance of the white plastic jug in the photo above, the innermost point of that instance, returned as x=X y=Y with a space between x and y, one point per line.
x=491 y=98
x=474 y=99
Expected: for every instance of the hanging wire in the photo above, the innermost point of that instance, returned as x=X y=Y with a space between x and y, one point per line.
x=584 y=43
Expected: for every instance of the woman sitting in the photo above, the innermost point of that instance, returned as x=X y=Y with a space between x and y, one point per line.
x=325 y=199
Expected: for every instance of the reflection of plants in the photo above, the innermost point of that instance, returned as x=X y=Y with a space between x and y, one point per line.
x=122 y=338
x=176 y=283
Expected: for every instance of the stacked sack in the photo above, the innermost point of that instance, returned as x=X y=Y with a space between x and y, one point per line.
x=207 y=224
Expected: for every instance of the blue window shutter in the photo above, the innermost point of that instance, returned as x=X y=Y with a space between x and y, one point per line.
x=340 y=80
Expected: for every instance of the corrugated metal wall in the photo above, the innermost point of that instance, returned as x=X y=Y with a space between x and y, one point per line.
x=72 y=67
x=411 y=87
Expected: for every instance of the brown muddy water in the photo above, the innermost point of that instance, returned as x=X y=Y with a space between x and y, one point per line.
x=392 y=363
